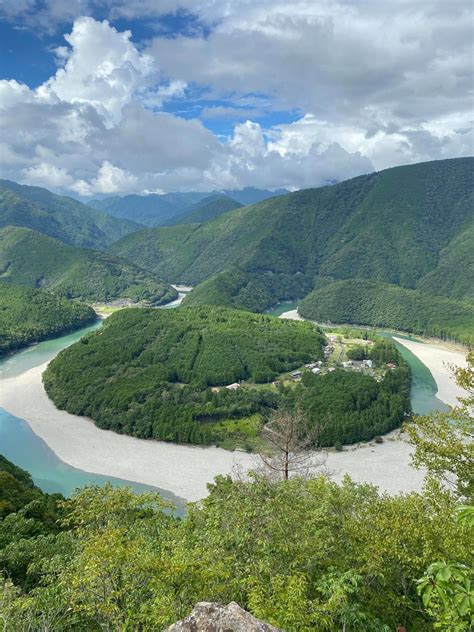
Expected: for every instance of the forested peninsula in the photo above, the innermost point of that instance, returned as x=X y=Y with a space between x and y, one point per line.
x=212 y=375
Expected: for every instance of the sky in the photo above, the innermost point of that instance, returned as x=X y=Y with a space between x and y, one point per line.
x=102 y=97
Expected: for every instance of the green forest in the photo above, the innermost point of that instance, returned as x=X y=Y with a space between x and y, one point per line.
x=149 y=373
x=28 y=316
x=30 y=258
x=59 y=216
x=244 y=290
x=305 y=554
x=409 y=226
x=159 y=374
x=382 y=305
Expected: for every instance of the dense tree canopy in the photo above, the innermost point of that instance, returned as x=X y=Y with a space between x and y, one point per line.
x=381 y=305
x=30 y=258
x=162 y=374
x=28 y=316
x=302 y=554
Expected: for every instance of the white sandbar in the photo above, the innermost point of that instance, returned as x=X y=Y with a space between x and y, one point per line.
x=183 y=470
x=439 y=361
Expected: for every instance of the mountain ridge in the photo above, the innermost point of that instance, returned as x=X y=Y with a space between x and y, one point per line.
x=393 y=226
x=38 y=261
x=155 y=210
x=60 y=217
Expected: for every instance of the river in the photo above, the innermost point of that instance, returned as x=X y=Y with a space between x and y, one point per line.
x=23 y=447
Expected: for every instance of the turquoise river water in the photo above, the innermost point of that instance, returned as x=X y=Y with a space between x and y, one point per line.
x=19 y=444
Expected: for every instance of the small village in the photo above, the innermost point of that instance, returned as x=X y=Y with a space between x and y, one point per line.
x=335 y=357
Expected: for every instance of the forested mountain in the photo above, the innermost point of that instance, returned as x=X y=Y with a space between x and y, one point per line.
x=410 y=226
x=247 y=290
x=205 y=210
x=33 y=259
x=382 y=305
x=58 y=216
x=28 y=315
x=160 y=210
x=395 y=226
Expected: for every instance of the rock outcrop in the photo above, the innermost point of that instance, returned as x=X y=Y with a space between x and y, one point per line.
x=214 y=617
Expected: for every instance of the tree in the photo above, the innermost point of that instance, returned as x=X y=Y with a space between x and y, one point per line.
x=446 y=588
x=290 y=440
x=444 y=441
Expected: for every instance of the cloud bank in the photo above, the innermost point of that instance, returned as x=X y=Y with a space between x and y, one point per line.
x=373 y=85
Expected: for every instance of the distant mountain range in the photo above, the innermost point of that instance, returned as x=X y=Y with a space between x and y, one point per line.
x=161 y=210
x=59 y=216
x=205 y=210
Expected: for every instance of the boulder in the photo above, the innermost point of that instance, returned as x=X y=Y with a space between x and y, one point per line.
x=215 y=617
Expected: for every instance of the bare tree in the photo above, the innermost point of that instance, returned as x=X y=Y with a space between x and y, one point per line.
x=293 y=448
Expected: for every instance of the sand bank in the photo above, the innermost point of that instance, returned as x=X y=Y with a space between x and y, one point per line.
x=183 y=470
x=439 y=359
x=291 y=315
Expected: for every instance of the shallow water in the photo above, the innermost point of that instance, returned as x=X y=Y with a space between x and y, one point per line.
x=22 y=446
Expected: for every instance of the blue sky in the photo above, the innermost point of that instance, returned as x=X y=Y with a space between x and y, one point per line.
x=105 y=97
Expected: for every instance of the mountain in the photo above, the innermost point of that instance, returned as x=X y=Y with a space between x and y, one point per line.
x=205 y=210
x=149 y=210
x=159 y=210
x=409 y=226
x=381 y=305
x=60 y=217
x=250 y=195
x=248 y=291
x=28 y=315
x=37 y=261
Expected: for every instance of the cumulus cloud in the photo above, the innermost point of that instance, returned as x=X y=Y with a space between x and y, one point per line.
x=102 y=68
x=377 y=85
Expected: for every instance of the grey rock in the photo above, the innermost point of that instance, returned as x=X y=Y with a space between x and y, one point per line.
x=215 y=617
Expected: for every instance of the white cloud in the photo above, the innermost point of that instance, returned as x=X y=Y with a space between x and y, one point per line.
x=47 y=175
x=12 y=92
x=376 y=87
x=102 y=69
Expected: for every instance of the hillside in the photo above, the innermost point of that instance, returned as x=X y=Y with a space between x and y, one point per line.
x=28 y=316
x=32 y=259
x=246 y=290
x=205 y=210
x=382 y=305
x=160 y=210
x=60 y=217
x=402 y=226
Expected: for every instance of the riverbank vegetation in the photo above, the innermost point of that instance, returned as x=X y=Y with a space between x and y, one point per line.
x=166 y=375
x=28 y=316
x=388 y=306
